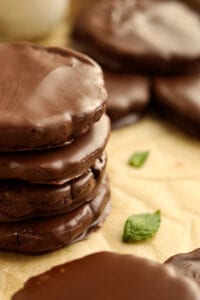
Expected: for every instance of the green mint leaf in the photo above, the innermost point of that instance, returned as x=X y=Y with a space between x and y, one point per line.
x=137 y=159
x=141 y=227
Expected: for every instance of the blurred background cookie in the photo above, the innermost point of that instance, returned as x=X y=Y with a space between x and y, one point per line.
x=178 y=99
x=134 y=38
x=141 y=36
x=128 y=97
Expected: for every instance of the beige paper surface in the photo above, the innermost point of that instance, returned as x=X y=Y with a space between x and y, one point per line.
x=169 y=181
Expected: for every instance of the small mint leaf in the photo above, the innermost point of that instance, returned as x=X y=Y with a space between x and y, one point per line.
x=137 y=159
x=141 y=227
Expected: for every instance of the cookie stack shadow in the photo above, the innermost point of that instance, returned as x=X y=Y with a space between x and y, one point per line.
x=53 y=134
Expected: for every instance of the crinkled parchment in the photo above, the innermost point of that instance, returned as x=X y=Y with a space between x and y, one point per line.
x=169 y=181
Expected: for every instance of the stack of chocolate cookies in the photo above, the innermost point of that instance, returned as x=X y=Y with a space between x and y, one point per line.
x=53 y=133
x=138 y=40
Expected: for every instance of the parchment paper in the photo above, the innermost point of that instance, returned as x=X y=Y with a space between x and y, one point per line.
x=169 y=181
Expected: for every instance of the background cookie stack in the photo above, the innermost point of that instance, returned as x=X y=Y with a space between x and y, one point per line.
x=53 y=132
x=136 y=41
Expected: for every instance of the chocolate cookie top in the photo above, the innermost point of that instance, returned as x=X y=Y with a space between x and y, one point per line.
x=141 y=35
x=128 y=97
x=180 y=97
x=187 y=264
x=64 y=163
x=49 y=234
x=48 y=96
x=109 y=276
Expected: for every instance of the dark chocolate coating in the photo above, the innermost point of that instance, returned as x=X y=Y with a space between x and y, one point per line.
x=109 y=276
x=187 y=264
x=195 y=4
x=128 y=97
x=63 y=163
x=20 y=200
x=141 y=35
x=48 y=96
x=48 y=234
x=178 y=98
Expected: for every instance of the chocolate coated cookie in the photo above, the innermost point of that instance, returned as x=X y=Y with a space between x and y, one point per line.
x=107 y=275
x=141 y=35
x=63 y=163
x=20 y=200
x=48 y=234
x=178 y=98
x=48 y=96
x=187 y=264
x=128 y=97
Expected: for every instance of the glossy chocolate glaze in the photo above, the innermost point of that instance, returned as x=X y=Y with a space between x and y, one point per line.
x=20 y=200
x=107 y=275
x=48 y=96
x=179 y=99
x=141 y=36
x=65 y=163
x=128 y=97
x=48 y=234
x=187 y=264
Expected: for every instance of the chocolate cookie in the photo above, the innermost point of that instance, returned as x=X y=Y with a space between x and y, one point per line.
x=20 y=200
x=48 y=234
x=141 y=35
x=128 y=97
x=187 y=264
x=107 y=275
x=48 y=96
x=64 y=163
x=178 y=98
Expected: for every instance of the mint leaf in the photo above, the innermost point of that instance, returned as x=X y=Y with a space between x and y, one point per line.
x=137 y=159
x=141 y=227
